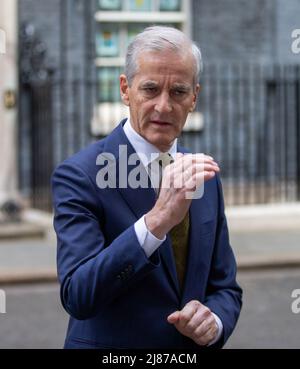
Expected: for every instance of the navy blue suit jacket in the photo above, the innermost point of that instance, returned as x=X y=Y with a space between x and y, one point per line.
x=117 y=297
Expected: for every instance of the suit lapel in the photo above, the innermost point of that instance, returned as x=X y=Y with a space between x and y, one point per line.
x=139 y=200
x=167 y=256
x=199 y=213
x=196 y=263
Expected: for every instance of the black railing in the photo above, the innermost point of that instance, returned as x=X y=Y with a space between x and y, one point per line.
x=35 y=119
x=41 y=145
x=54 y=113
x=251 y=126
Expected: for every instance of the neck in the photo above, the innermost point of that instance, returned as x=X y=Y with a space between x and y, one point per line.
x=164 y=148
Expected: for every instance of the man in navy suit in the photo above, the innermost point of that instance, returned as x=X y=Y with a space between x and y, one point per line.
x=149 y=265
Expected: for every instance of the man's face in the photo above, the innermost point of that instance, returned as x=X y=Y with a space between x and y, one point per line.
x=161 y=96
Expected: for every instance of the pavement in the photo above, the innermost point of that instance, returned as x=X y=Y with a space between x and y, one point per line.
x=262 y=237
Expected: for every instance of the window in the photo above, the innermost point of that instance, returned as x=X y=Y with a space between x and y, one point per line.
x=169 y=5
x=140 y=5
x=117 y=24
x=109 y=4
x=108 y=87
x=107 y=40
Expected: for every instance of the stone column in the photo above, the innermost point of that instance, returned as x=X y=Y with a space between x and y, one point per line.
x=8 y=101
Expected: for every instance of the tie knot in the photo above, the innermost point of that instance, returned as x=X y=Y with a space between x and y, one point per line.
x=164 y=159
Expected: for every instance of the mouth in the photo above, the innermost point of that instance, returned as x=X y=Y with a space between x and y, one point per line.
x=161 y=123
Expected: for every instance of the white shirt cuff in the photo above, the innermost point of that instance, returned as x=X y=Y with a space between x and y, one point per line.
x=146 y=239
x=220 y=329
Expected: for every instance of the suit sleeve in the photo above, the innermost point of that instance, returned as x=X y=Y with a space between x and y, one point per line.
x=91 y=273
x=223 y=295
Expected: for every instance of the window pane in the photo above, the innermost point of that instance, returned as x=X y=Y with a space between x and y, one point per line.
x=107 y=41
x=140 y=5
x=170 y=5
x=109 y=4
x=108 y=78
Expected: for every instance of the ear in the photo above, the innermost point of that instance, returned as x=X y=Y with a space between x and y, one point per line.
x=124 y=89
x=195 y=97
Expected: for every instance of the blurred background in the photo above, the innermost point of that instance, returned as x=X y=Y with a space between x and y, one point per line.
x=59 y=91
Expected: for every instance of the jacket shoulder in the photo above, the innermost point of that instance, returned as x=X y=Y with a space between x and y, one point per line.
x=85 y=159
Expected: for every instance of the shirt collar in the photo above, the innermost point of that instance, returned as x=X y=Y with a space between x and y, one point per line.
x=142 y=146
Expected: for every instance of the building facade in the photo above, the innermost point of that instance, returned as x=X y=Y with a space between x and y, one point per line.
x=8 y=102
x=247 y=115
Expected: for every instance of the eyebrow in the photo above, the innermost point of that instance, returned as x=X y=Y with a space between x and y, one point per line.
x=149 y=84
x=181 y=86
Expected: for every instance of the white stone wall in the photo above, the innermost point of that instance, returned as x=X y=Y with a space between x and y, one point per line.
x=8 y=82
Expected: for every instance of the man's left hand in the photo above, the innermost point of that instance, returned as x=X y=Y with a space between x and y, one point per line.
x=195 y=321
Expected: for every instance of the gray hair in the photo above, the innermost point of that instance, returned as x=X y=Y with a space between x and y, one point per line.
x=159 y=38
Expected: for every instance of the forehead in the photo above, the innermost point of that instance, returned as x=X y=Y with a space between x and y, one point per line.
x=165 y=64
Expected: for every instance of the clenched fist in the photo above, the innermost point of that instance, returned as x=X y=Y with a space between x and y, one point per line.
x=195 y=321
x=179 y=180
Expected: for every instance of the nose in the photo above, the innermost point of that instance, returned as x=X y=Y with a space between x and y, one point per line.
x=163 y=103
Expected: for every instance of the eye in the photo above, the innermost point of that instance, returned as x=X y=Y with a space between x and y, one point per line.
x=178 y=92
x=150 y=89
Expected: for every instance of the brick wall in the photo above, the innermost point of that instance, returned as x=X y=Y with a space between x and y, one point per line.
x=234 y=29
x=288 y=19
x=66 y=27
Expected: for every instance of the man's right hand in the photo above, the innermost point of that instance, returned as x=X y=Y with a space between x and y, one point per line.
x=186 y=174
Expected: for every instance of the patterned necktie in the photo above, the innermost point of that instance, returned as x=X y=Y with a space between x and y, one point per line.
x=180 y=233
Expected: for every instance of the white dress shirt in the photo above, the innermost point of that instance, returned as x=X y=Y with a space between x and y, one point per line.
x=146 y=239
